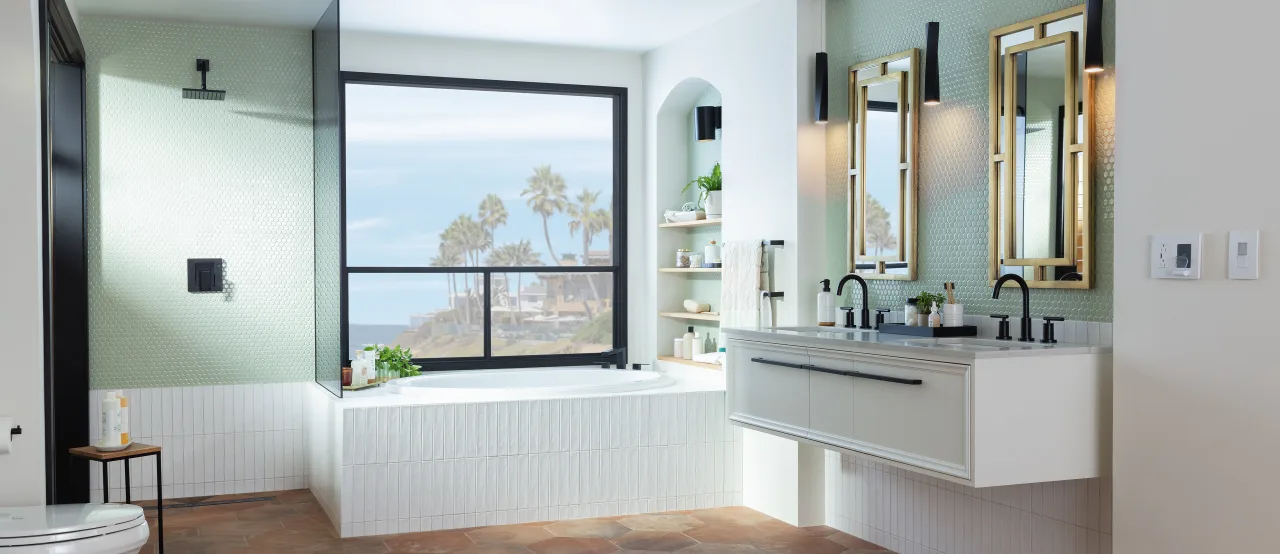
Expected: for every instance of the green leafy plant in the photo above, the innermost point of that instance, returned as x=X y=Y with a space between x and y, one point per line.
x=928 y=300
x=396 y=361
x=707 y=183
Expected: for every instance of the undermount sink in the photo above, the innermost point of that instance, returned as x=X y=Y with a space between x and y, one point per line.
x=969 y=343
x=832 y=331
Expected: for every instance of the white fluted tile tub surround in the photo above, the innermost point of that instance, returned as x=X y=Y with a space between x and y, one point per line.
x=384 y=463
x=222 y=439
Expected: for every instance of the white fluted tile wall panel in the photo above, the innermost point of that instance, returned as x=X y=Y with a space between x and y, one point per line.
x=222 y=439
x=417 y=468
x=911 y=513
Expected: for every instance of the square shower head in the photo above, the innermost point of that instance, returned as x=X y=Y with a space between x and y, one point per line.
x=203 y=94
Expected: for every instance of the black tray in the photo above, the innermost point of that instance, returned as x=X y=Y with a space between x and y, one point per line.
x=932 y=332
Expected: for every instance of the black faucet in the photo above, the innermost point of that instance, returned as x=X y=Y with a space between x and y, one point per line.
x=1026 y=303
x=866 y=309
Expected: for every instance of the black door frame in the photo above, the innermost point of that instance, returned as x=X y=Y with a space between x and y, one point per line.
x=64 y=253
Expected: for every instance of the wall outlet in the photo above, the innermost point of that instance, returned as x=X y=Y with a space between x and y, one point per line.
x=1242 y=254
x=1176 y=256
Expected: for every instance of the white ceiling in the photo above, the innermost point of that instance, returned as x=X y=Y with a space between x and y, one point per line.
x=615 y=24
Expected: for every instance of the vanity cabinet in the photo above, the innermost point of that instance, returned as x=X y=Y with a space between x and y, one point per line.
x=981 y=422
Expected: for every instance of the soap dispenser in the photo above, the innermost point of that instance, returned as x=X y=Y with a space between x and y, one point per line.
x=826 y=305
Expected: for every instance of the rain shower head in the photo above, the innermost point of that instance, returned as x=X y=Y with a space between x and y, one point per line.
x=203 y=93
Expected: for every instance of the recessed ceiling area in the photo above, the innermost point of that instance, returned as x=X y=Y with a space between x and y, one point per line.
x=261 y=13
x=637 y=25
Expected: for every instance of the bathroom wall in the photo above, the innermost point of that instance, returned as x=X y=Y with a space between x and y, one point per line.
x=22 y=316
x=1196 y=416
x=911 y=512
x=171 y=179
x=772 y=159
x=952 y=166
x=223 y=439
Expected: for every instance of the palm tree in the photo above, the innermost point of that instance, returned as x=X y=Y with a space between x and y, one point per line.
x=545 y=196
x=588 y=220
x=449 y=257
x=522 y=255
x=606 y=216
x=492 y=213
x=503 y=256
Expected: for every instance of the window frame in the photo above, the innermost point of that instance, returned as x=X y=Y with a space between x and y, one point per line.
x=618 y=267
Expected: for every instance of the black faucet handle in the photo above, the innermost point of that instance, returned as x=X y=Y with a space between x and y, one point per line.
x=880 y=316
x=848 y=316
x=1048 y=329
x=1004 y=327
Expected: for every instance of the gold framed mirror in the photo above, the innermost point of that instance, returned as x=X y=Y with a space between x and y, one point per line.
x=883 y=122
x=1041 y=155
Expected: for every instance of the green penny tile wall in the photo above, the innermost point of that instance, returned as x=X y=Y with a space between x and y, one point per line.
x=952 y=170
x=171 y=179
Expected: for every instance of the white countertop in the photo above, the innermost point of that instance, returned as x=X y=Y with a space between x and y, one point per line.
x=964 y=349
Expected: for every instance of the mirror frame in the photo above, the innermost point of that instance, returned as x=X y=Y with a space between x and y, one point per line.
x=1079 y=202
x=908 y=133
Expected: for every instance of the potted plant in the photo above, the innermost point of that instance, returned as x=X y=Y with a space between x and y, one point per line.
x=394 y=363
x=709 y=198
x=926 y=304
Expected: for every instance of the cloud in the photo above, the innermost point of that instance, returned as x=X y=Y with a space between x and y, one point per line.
x=383 y=114
x=357 y=225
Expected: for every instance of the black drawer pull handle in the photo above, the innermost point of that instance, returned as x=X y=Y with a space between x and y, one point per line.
x=777 y=363
x=855 y=374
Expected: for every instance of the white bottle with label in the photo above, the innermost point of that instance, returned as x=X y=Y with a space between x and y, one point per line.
x=826 y=305
x=687 y=344
x=699 y=345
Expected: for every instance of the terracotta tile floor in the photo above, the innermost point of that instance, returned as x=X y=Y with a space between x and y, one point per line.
x=294 y=522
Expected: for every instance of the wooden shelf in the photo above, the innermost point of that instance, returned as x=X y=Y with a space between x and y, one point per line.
x=691 y=224
x=690 y=269
x=686 y=315
x=690 y=363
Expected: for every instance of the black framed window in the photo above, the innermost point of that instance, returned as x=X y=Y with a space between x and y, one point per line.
x=484 y=222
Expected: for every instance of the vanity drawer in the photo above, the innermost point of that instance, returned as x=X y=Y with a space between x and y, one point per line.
x=768 y=386
x=831 y=399
x=924 y=424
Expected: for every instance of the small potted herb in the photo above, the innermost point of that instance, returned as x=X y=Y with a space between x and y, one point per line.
x=710 y=197
x=394 y=363
x=926 y=304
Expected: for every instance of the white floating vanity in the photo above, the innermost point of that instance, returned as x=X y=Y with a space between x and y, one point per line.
x=975 y=411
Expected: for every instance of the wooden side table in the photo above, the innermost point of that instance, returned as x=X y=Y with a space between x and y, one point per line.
x=135 y=450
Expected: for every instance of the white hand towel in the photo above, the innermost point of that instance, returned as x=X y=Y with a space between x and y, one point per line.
x=740 y=284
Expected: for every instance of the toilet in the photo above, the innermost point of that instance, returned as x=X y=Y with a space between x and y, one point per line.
x=73 y=529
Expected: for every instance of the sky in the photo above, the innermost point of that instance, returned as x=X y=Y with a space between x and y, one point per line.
x=417 y=158
x=883 y=180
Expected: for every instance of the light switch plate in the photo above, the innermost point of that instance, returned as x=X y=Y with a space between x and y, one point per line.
x=1242 y=255
x=1176 y=256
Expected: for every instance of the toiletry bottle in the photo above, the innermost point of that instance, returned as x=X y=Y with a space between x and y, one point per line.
x=687 y=344
x=678 y=351
x=911 y=311
x=935 y=317
x=826 y=305
x=699 y=345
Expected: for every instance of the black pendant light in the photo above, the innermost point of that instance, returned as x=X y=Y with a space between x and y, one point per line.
x=1093 y=36
x=820 y=88
x=707 y=120
x=932 y=87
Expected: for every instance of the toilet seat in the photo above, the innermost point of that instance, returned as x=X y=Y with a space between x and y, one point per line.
x=94 y=528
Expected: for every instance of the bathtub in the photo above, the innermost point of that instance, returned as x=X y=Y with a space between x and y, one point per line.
x=510 y=384
x=488 y=447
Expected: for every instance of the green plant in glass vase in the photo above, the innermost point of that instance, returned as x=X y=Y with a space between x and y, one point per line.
x=394 y=362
